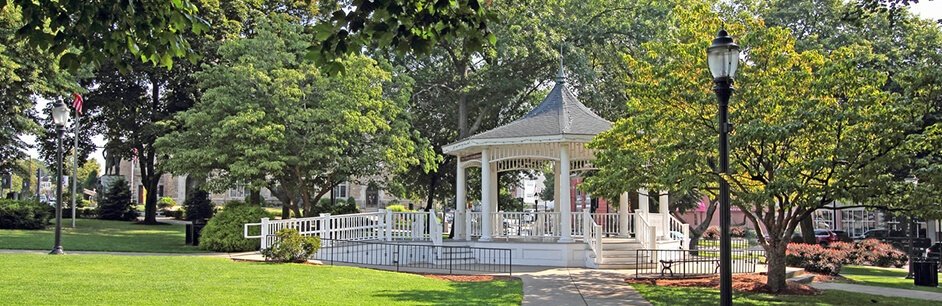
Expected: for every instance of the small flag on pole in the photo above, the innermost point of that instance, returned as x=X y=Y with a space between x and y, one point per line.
x=77 y=103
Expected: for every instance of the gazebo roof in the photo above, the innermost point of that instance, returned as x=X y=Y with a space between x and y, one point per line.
x=559 y=118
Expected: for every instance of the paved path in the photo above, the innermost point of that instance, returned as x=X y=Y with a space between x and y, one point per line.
x=575 y=286
x=884 y=291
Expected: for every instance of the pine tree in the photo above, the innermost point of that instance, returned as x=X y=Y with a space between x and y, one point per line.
x=116 y=204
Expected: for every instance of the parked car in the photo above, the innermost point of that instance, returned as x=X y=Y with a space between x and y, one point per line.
x=843 y=236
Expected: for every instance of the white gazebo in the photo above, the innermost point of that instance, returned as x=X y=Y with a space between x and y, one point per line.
x=552 y=135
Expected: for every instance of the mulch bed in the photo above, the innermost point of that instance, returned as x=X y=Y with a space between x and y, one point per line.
x=468 y=278
x=754 y=282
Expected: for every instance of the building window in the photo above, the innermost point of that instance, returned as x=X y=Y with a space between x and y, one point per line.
x=237 y=192
x=341 y=190
x=160 y=191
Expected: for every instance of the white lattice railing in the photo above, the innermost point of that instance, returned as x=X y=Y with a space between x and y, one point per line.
x=435 y=229
x=544 y=224
x=593 y=237
x=361 y=226
x=608 y=221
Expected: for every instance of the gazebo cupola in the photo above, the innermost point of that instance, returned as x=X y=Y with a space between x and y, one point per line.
x=552 y=134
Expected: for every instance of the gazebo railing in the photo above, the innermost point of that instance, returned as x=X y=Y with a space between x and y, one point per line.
x=543 y=224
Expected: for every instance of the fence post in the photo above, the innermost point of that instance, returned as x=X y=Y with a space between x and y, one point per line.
x=652 y=236
x=264 y=234
x=381 y=233
x=389 y=225
x=467 y=226
x=686 y=239
x=586 y=225
x=325 y=226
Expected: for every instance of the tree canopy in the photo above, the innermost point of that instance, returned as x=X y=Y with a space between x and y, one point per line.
x=810 y=125
x=269 y=117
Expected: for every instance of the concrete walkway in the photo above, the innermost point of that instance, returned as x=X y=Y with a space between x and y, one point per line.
x=575 y=286
x=884 y=291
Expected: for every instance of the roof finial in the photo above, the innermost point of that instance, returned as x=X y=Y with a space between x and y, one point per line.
x=561 y=76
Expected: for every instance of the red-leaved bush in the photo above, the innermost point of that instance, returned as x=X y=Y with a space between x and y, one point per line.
x=875 y=253
x=815 y=258
x=830 y=260
x=711 y=233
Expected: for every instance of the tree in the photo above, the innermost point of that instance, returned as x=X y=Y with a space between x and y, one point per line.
x=25 y=75
x=406 y=26
x=94 y=32
x=116 y=203
x=268 y=118
x=811 y=126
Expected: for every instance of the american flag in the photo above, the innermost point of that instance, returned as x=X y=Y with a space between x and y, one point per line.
x=77 y=103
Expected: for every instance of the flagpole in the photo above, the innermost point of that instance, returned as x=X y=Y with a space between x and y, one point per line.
x=75 y=166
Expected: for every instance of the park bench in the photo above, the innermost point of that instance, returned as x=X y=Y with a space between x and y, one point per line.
x=666 y=264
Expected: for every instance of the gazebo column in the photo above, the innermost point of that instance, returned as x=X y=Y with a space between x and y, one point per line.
x=664 y=209
x=564 y=187
x=624 y=206
x=485 y=196
x=642 y=208
x=557 y=223
x=461 y=193
x=497 y=222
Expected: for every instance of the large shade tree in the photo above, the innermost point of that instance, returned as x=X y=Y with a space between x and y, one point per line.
x=811 y=126
x=271 y=118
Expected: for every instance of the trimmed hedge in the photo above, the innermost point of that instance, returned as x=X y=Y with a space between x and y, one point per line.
x=16 y=214
x=223 y=233
x=197 y=206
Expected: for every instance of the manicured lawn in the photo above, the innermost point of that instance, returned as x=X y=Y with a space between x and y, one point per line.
x=883 y=277
x=663 y=295
x=30 y=279
x=101 y=235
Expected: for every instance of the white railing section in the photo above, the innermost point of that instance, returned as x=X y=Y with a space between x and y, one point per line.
x=645 y=232
x=593 y=237
x=435 y=229
x=608 y=221
x=676 y=227
x=474 y=221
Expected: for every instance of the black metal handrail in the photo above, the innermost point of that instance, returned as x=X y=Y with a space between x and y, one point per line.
x=690 y=263
x=416 y=257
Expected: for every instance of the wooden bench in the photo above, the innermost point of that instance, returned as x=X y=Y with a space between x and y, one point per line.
x=666 y=264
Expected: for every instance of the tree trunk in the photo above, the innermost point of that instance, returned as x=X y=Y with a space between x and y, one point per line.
x=255 y=197
x=775 y=256
x=285 y=211
x=807 y=230
x=432 y=185
x=150 y=180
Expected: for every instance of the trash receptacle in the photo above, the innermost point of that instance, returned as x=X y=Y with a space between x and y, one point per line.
x=189 y=233
x=925 y=273
x=197 y=229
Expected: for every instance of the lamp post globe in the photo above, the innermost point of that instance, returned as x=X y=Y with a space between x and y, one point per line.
x=723 y=59
x=60 y=116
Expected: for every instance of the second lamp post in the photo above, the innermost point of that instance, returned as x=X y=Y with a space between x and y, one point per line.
x=723 y=58
x=60 y=116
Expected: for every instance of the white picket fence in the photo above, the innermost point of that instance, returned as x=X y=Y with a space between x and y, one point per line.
x=543 y=224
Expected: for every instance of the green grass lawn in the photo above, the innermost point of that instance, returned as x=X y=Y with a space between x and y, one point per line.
x=883 y=277
x=662 y=295
x=30 y=279
x=102 y=235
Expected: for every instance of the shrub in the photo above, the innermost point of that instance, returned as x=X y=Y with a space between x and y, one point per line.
x=347 y=207
x=737 y=231
x=166 y=203
x=815 y=258
x=197 y=206
x=397 y=208
x=290 y=246
x=223 y=233
x=711 y=233
x=16 y=214
x=116 y=204
x=876 y=253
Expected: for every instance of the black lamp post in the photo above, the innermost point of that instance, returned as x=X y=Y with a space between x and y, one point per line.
x=60 y=115
x=723 y=58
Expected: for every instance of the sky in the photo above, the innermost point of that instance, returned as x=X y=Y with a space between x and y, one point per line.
x=925 y=9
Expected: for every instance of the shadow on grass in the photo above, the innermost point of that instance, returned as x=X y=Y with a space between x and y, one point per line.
x=498 y=292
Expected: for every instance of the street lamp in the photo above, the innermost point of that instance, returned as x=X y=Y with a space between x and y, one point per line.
x=909 y=231
x=60 y=116
x=723 y=59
